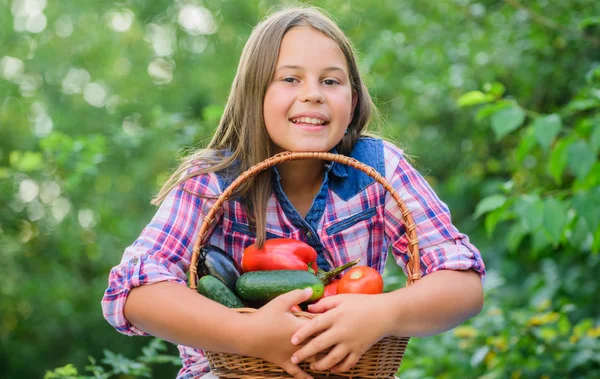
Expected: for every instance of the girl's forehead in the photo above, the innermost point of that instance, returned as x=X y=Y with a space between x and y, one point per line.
x=306 y=46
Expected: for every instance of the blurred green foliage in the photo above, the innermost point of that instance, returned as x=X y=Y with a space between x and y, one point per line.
x=499 y=102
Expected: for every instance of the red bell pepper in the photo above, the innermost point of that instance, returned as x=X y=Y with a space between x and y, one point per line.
x=280 y=254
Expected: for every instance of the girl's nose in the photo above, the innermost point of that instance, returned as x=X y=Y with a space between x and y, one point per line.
x=311 y=93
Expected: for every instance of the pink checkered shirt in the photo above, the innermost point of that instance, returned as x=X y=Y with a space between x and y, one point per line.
x=351 y=217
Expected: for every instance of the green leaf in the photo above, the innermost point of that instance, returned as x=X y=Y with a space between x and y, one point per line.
x=580 y=233
x=526 y=143
x=495 y=217
x=496 y=89
x=595 y=137
x=586 y=206
x=514 y=237
x=490 y=109
x=580 y=105
x=473 y=98
x=581 y=158
x=555 y=219
x=558 y=161
x=589 y=21
x=593 y=75
x=65 y=372
x=540 y=240
x=488 y=204
x=546 y=128
x=507 y=120
x=530 y=210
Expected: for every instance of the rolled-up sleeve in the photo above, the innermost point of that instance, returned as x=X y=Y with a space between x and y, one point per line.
x=441 y=245
x=162 y=252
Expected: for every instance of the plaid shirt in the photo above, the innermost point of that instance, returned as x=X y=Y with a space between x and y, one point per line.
x=351 y=217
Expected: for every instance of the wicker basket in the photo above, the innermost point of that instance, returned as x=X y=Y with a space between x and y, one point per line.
x=382 y=360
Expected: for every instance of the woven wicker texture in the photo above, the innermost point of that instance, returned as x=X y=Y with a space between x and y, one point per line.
x=383 y=359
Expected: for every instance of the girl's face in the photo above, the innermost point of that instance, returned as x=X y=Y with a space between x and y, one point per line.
x=309 y=103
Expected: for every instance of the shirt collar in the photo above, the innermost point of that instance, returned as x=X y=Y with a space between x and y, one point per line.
x=337 y=169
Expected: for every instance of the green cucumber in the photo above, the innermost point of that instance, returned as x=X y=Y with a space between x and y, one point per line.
x=264 y=286
x=216 y=290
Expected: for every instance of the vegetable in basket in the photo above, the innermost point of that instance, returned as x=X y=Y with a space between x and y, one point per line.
x=263 y=286
x=216 y=290
x=361 y=279
x=280 y=254
x=216 y=262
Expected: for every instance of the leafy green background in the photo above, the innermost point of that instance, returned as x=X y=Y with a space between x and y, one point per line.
x=498 y=101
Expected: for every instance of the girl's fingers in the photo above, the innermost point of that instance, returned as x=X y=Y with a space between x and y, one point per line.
x=317 y=324
x=288 y=300
x=316 y=345
x=347 y=364
x=295 y=371
x=325 y=304
x=336 y=355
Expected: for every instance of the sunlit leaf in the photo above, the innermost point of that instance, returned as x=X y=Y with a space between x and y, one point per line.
x=593 y=75
x=495 y=89
x=558 y=161
x=531 y=212
x=595 y=137
x=540 y=241
x=493 y=218
x=479 y=355
x=526 y=143
x=586 y=206
x=555 y=219
x=581 y=105
x=507 y=120
x=581 y=158
x=490 y=109
x=589 y=21
x=489 y=204
x=473 y=98
x=546 y=128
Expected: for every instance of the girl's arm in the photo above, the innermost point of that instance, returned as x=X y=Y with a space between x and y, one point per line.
x=177 y=314
x=434 y=304
x=174 y=313
x=351 y=324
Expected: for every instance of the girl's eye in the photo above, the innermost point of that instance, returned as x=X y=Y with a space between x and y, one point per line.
x=289 y=80
x=330 y=82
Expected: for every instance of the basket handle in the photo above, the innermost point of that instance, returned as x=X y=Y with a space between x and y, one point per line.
x=413 y=269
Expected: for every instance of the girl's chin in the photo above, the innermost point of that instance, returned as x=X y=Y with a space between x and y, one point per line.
x=303 y=148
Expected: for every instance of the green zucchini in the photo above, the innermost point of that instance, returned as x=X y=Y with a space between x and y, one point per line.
x=264 y=286
x=216 y=290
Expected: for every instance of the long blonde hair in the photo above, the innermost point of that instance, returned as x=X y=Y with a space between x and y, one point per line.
x=241 y=132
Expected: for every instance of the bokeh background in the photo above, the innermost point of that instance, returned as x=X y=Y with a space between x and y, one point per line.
x=497 y=101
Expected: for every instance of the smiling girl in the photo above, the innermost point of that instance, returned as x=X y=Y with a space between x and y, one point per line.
x=297 y=88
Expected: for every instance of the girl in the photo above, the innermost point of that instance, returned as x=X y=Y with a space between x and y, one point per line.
x=297 y=88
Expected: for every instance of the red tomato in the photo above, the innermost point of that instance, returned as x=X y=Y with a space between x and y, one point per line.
x=332 y=288
x=361 y=279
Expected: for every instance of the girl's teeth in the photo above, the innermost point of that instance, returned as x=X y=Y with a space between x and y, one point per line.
x=309 y=120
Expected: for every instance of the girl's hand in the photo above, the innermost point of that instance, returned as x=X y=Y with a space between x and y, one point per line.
x=270 y=331
x=349 y=324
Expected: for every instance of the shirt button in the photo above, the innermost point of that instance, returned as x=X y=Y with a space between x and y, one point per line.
x=309 y=234
x=135 y=260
